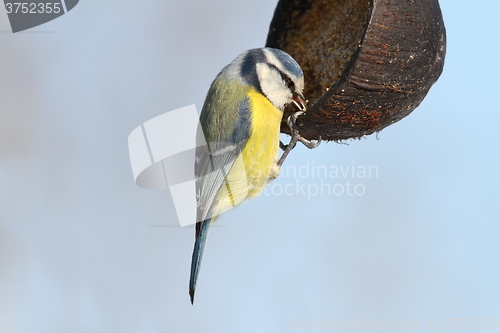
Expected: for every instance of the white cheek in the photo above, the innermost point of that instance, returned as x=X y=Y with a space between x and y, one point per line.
x=300 y=85
x=273 y=86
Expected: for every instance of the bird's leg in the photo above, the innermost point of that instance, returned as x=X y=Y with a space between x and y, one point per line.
x=292 y=123
x=294 y=138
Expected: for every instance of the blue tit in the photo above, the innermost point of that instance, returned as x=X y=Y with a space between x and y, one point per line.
x=240 y=121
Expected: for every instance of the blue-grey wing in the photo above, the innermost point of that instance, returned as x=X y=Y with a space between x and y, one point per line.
x=214 y=160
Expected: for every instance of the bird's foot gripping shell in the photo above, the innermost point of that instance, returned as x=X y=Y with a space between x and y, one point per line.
x=295 y=137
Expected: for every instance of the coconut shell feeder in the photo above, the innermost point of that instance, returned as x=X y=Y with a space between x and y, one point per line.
x=367 y=63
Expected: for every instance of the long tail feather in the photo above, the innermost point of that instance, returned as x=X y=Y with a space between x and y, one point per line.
x=199 y=246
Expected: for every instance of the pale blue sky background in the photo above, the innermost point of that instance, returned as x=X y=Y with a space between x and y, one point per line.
x=78 y=252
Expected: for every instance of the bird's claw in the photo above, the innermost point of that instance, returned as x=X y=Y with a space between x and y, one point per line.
x=292 y=124
x=295 y=137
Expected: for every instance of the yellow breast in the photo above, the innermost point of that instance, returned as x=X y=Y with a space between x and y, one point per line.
x=256 y=165
x=261 y=150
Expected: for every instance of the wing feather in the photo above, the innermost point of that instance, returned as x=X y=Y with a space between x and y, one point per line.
x=214 y=160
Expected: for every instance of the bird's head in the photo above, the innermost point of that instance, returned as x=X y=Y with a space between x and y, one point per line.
x=275 y=74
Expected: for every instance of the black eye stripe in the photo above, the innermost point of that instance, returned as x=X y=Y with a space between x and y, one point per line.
x=288 y=80
x=248 y=70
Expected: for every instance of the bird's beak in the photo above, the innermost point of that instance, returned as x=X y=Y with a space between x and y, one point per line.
x=298 y=100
